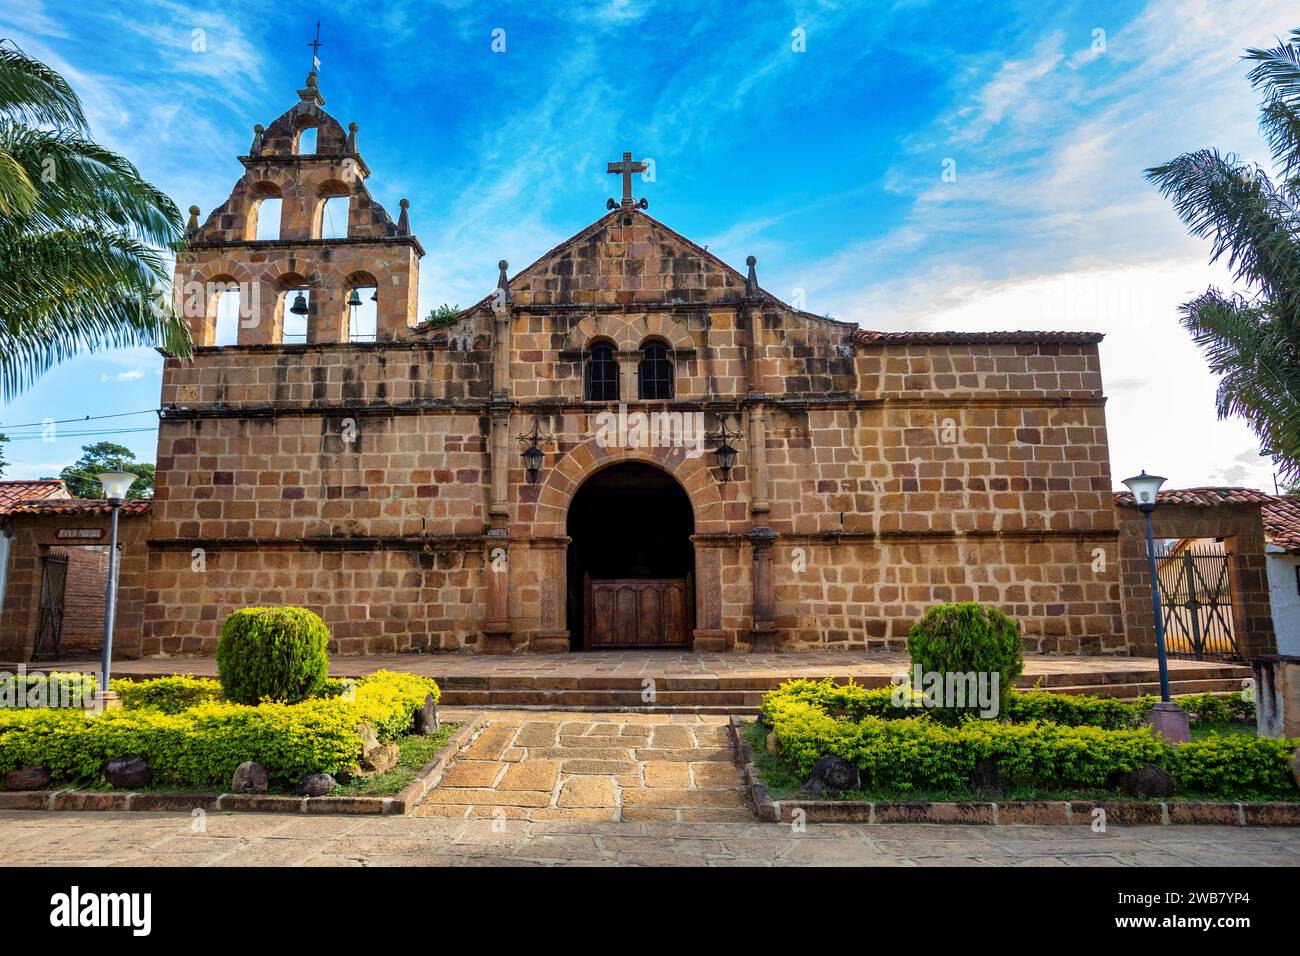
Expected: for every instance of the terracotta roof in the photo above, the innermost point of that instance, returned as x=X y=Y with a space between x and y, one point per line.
x=1205 y=497
x=868 y=337
x=83 y=506
x=13 y=492
x=1281 y=515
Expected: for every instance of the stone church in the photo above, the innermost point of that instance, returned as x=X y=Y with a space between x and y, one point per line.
x=626 y=444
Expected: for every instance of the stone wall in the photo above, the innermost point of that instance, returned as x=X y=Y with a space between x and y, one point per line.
x=32 y=537
x=374 y=483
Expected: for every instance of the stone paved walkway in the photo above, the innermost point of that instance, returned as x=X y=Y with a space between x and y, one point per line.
x=255 y=839
x=574 y=766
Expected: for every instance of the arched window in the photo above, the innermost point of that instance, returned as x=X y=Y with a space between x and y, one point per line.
x=602 y=374
x=654 y=375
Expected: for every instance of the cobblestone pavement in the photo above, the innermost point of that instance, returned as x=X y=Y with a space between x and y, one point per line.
x=252 y=839
x=628 y=767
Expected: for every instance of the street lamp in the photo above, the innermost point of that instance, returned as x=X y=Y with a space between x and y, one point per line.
x=1167 y=718
x=116 y=485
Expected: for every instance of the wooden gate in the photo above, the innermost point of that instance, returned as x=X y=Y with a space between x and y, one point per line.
x=49 y=627
x=637 y=612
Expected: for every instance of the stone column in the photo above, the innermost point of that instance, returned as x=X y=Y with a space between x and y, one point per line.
x=1277 y=695
x=761 y=537
x=496 y=626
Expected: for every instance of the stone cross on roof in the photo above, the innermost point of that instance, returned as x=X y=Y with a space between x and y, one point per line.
x=627 y=167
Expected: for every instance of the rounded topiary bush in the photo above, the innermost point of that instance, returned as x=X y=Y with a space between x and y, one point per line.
x=964 y=639
x=275 y=653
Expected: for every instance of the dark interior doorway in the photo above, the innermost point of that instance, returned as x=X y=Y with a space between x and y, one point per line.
x=630 y=560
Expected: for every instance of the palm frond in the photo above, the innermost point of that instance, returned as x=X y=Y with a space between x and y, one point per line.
x=82 y=183
x=79 y=290
x=1241 y=212
x=31 y=91
x=17 y=194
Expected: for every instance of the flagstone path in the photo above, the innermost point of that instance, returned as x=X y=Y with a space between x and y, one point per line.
x=574 y=766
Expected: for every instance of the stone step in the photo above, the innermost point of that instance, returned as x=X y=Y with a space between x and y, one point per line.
x=742 y=701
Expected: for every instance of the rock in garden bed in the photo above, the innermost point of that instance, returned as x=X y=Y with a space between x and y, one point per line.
x=28 y=778
x=316 y=784
x=249 y=777
x=128 y=773
x=831 y=773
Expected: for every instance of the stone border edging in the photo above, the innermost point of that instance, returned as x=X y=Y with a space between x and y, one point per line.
x=1003 y=813
x=402 y=802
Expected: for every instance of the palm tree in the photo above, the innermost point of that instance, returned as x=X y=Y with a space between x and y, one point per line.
x=84 y=240
x=1252 y=340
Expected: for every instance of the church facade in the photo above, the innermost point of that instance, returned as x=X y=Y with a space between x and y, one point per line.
x=626 y=444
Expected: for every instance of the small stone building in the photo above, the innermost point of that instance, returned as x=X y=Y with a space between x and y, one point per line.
x=716 y=470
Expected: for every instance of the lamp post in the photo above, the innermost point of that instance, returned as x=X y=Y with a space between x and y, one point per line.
x=116 y=485
x=1167 y=718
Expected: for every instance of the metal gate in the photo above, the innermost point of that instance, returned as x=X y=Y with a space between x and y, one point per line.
x=49 y=628
x=1196 y=600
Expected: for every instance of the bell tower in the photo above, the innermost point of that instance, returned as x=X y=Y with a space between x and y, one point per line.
x=296 y=267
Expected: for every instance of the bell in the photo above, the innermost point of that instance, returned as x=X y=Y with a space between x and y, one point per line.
x=299 y=306
x=355 y=298
x=374 y=296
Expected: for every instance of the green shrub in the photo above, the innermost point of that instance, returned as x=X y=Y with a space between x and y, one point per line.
x=54 y=689
x=1233 y=765
x=965 y=638
x=202 y=745
x=272 y=653
x=170 y=695
x=1091 y=743
x=1073 y=710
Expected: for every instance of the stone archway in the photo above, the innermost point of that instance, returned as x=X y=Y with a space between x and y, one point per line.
x=630 y=561
x=550 y=523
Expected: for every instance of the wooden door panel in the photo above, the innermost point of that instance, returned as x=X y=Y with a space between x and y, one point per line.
x=602 y=615
x=638 y=612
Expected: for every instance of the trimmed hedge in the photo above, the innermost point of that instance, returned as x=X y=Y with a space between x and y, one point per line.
x=202 y=745
x=46 y=690
x=272 y=653
x=170 y=695
x=851 y=701
x=898 y=749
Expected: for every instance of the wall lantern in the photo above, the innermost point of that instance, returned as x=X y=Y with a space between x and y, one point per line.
x=532 y=454
x=725 y=451
x=299 y=306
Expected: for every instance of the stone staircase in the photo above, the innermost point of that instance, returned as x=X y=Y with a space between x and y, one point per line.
x=741 y=694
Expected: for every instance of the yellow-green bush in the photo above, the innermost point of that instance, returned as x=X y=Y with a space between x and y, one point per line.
x=202 y=745
x=54 y=689
x=851 y=701
x=171 y=695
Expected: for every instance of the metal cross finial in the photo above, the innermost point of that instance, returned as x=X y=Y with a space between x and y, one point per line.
x=315 y=49
x=626 y=168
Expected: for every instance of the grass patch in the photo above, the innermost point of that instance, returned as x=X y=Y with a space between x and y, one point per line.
x=415 y=752
x=1234 y=728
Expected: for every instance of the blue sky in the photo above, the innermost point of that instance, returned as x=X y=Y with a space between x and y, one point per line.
x=826 y=163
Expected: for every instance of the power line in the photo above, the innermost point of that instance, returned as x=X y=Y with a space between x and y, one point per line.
x=88 y=418
x=80 y=434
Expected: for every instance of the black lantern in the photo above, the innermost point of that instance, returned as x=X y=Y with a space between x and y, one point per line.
x=299 y=306
x=725 y=451
x=354 y=299
x=726 y=459
x=533 y=458
x=533 y=455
